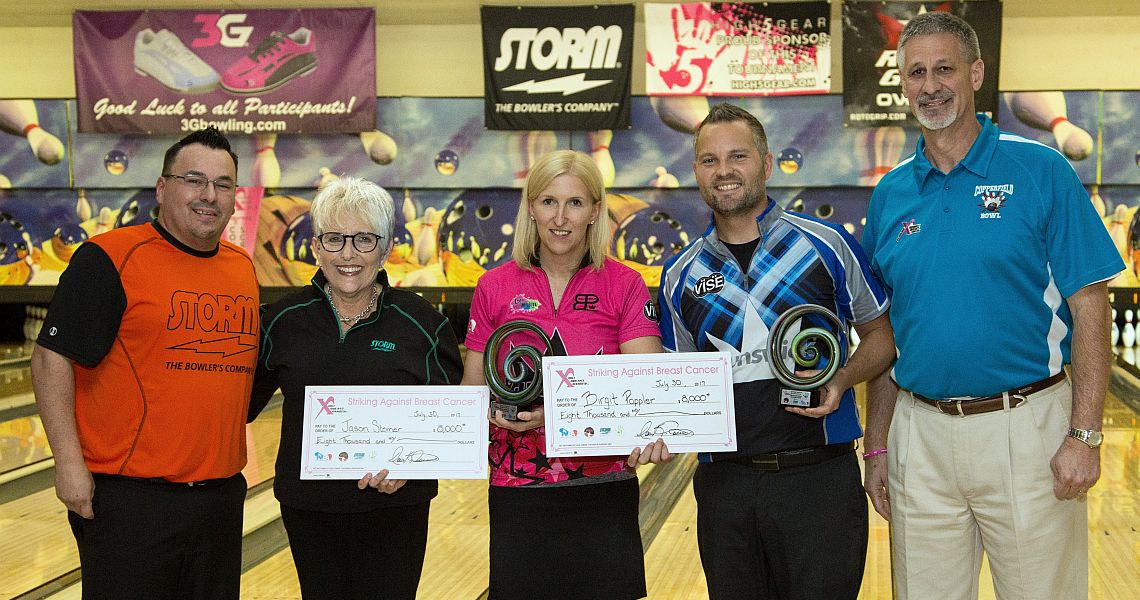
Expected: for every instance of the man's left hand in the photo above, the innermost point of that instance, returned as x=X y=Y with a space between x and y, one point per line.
x=1076 y=468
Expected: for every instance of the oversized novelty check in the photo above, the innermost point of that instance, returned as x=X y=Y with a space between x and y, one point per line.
x=610 y=404
x=416 y=432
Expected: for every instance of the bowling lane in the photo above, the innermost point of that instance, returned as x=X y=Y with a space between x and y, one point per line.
x=22 y=443
x=37 y=545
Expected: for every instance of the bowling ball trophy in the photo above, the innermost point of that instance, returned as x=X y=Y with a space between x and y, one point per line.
x=813 y=348
x=519 y=386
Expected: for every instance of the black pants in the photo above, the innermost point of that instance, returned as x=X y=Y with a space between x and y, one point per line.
x=794 y=534
x=347 y=556
x=155 y=540
x=566 y=543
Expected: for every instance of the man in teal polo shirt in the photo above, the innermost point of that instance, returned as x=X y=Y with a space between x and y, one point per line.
x=996 y=264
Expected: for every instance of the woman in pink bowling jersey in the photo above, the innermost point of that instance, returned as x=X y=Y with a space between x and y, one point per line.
x=563 y=527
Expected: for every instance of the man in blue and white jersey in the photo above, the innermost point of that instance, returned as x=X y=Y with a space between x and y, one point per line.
x=996 y=265
x=783 y=516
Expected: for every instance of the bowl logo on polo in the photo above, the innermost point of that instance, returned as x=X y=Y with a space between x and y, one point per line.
x=993 y=199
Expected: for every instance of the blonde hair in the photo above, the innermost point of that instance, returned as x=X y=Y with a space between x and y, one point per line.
x=541 y=174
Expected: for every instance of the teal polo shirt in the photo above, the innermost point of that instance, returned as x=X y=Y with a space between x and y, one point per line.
x=978 y=263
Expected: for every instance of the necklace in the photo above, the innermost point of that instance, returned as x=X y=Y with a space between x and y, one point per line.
x=367 y=310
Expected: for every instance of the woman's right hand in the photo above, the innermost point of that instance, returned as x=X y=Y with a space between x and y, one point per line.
x=527 y=419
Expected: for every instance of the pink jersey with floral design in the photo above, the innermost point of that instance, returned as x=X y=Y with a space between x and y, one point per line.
x=600 y=310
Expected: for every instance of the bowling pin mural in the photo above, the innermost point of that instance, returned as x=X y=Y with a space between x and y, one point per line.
x=426 y=241
x=83 y=208
x=19 y=117
x=664 y=179
x=681 y=113
x=104 y=222
x=381 y=148
x=879 y=150
x=408 y=207
x=600 y=152
x=266 y=169
x=324 y=176
x=1047 y=111
x=1117 y=228
x=1097 y=201
x=532 y=145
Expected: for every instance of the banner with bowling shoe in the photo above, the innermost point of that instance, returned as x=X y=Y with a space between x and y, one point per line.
x=872 y=94
x=248 y=72
x=564 y=68
x=737 y=49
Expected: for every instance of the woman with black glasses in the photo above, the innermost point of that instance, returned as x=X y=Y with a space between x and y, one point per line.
x=362 y=539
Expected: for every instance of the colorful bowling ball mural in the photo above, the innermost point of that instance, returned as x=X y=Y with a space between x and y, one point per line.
x=476 y=233
x=15 y=252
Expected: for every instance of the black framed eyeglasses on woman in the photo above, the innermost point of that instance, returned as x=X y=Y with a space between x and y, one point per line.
x=363 y=242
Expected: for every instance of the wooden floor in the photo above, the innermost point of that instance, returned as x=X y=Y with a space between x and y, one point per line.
x=36 y=544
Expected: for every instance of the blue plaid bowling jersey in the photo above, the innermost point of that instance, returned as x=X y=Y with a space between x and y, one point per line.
x=710 y=303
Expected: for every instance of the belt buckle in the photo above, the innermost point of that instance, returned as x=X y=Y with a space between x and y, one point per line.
x=768 y=462
x=1021 y=399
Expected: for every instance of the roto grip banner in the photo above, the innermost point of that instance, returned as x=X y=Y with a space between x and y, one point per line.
x=253 y=71
x=737 y=49
x=872 y=94
x=565 y=68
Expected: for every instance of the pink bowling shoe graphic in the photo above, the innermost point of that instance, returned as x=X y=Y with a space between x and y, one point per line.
x=274 y=62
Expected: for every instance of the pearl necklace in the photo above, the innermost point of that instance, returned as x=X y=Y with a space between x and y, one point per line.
x=365 y=313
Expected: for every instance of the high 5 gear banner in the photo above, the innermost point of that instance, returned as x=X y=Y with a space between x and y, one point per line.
x=564 y=68
x=252 y=71
x=872 y=94
x=737 y=49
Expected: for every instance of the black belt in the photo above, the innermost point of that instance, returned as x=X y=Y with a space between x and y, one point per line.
x=183 y=485
x=793 y=458
x=976 y=406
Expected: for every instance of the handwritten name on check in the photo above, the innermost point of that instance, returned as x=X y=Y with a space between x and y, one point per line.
x=416 y=432
x=604 y=405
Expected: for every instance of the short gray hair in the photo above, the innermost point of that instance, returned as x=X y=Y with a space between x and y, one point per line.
x=347 y=198
x=942 y=22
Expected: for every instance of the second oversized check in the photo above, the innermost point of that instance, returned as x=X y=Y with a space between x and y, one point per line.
x=602 y=405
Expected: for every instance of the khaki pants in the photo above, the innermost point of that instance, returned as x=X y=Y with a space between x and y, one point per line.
x=963 y=485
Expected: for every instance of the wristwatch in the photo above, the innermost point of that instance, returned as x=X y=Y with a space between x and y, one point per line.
x=1089 y=437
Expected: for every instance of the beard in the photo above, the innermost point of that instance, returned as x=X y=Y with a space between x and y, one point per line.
x=935 y=123
x=751 y=195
